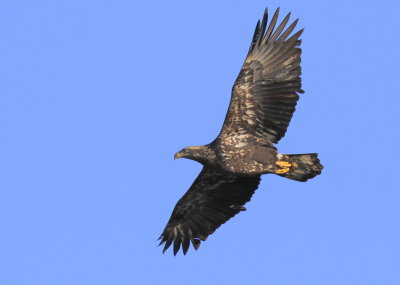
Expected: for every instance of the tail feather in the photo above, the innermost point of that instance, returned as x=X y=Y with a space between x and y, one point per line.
x=304 y=166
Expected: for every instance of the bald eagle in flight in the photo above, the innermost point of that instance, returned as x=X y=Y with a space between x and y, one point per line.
x=263 y=101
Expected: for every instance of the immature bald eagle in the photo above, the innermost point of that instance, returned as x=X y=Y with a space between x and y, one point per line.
x=263 y=101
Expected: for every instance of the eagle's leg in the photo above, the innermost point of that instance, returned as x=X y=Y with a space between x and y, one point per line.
x=284 y=167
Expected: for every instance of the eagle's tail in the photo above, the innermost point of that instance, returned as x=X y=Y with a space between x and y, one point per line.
x=302 y=166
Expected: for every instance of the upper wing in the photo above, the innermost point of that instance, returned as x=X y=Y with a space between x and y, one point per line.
x=213 y=199
x=264 y=95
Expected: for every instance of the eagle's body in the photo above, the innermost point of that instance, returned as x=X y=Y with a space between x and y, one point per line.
x=241 y=154
x=263 y=101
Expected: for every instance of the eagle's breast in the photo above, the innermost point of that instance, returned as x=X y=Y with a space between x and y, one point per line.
x=236 y=152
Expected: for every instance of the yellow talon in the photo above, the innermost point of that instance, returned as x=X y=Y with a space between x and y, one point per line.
x=283 y=164
x=282 y=171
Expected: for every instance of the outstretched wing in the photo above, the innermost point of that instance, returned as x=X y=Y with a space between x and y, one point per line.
x=213 y=199
x=264 y=95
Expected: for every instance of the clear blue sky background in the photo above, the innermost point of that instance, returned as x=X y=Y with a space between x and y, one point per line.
x=97 y=96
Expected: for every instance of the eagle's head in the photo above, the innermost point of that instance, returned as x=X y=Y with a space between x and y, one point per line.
x=201 y=153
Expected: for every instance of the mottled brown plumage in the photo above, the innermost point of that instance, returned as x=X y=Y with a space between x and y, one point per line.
x=263 y=101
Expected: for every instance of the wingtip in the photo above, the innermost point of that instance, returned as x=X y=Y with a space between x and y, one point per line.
x=278 y=10
x=295 y=22
x=162 y=238
x=185 y=245
x=167 y=245
x=265 y=16
x=177 y=246
x=276 y=13
x=195 y=243
x=257 y=26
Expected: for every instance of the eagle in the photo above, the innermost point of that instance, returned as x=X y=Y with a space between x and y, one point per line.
x=263 y=100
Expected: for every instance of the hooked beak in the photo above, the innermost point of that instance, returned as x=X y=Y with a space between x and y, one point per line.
x=178 y=155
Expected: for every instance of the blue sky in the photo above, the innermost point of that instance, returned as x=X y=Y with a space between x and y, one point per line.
x=97 y=96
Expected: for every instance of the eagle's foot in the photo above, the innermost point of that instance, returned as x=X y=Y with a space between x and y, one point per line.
x=284 y=167
x=283 y=164
x=282 y=171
